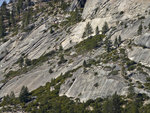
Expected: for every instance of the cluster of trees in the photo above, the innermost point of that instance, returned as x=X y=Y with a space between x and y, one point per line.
x=24 y=97
x=4 y=15
x=47 y=101
x=117 y=41
x=9 y=17
x=107 y=42
x=42 y=100
x=89 y=31
x=24 y=62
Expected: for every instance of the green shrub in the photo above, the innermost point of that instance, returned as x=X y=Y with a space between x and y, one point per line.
x=131 y=68
x=96 y=85
x=89 y=44
x=114 y=72
x=62 y=60
x=50 y=71
x=140 y=29
x=28 y=62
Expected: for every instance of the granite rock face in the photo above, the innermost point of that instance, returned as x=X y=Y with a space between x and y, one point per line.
x=123 y=18
x=141 y=53
x=143 y=41
x=87 y=86
x=77 y=4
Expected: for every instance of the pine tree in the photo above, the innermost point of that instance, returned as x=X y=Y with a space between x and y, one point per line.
x=26 y=18
x=116 y=104
x=84 y=35
x=97 y=31
x=112 y=105
x=77 y=15
x=19 y=6
x=12 y=95
x=60 y=48
x=88 y=30
x=12 y=19
x=62 y=59
x=4 y=11
x=84 y=64
x=2 y=27
x=116 y=42
x=108 y=44
x=119 y=40
x=133 y=108
x=28 y=62
x=21 y=61
x=131 y=91
x=24 y=94
x=139 y=32
x=107 y=106
x=105 y=28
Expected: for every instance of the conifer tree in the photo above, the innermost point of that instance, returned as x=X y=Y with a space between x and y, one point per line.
x=88 y=30
x=12 y=95
x=139 y=32
x=3 y=8
x=97 y=30
x=112 y=105
x=108 y=44
x=4 y=11
x=24 y=94
x=107 y=106
x=12 y=19
x=119 y=40
x=2 y=27
x=19 y=6
x=116 y=104
x=116 y=42
x=105 y=28
x=133 y=108
x=26 y=18
x=84 y=64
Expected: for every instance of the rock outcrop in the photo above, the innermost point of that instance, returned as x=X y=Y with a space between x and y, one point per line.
x=123 y=18
x=77 y=4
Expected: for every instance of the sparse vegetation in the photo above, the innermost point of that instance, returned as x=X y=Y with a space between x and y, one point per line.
x=115 y=72
x=140 y=29
x=89 y=44
x=27 y=68
x=96 y=85
x=62 y=59
x=50 y=71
